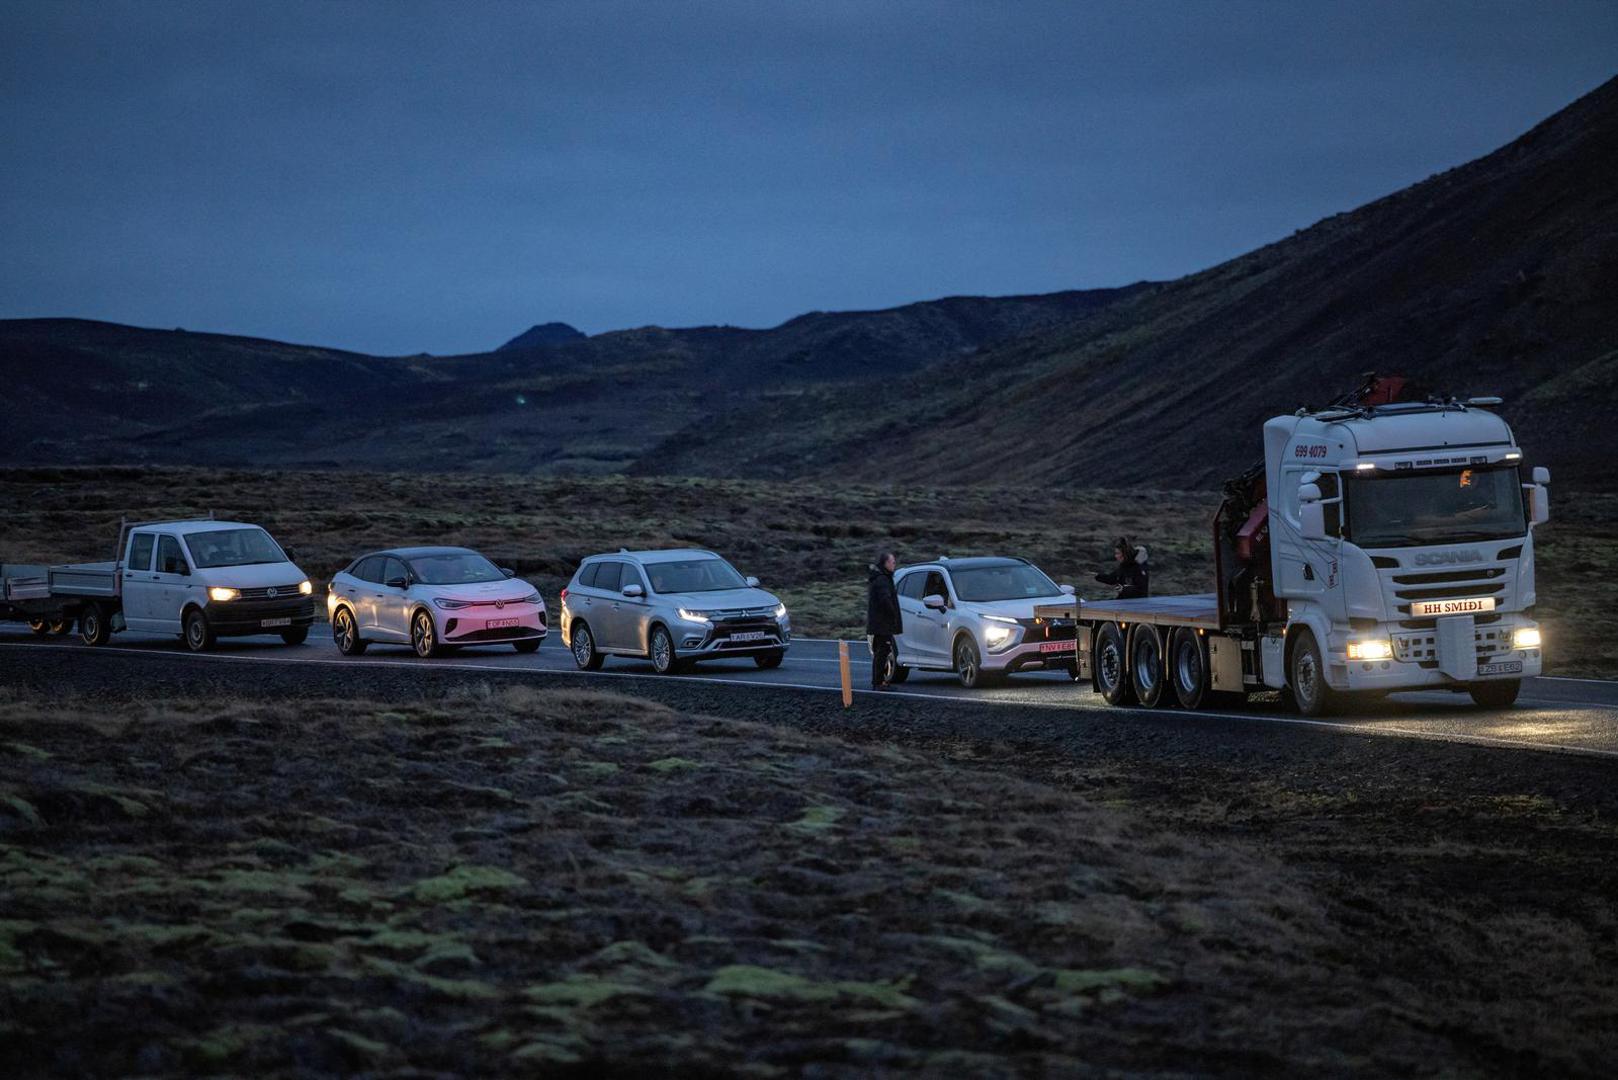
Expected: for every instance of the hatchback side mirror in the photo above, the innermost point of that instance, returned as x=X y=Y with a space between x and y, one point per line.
x=752 y=582
x=397 y=583
x=508 y=571
x=935 y=601
x=633 y=591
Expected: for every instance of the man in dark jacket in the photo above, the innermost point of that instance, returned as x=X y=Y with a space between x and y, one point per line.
x=882 y=619
x=1129 y=574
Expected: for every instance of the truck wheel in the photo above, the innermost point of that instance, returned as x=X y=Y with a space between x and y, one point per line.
x=1495 y=694
x=584 y=648
x=38 y=626
x=60 y=626
x=199 y=636
x=93 y=626
x=345 y=633
x=1306 y=677
x=968 y=665
x=1146 y=665
x=424 y=635
x=295 y=636
x=1112 y=670
x=664 y=662
x=1188 y=668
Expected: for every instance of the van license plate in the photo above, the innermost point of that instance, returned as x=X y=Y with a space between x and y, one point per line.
x=1505 y=667
x=748 y=635
x=1470 y=605
x=1056 y=646
x=267 y=623
x=501 y=624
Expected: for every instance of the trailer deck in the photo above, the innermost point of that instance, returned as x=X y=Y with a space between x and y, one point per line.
x=1199 y=610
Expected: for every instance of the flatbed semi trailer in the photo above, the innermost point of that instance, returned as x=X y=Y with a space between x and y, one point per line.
x=1381 y=545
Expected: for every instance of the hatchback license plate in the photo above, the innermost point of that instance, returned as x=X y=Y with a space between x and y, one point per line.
x=748 y=635
x=267 y=623
x=1505 y=667
x=1056 y=646
x=501 y=624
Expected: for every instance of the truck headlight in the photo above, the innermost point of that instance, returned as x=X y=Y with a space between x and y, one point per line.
x=1370 y=650
x=1525 y=637
x=306 y=587
x=221 y=594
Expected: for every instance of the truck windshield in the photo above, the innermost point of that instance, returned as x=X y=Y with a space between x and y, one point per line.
x=1450 y=507
x=1014 y=581
x=694 y=575
x=454 y=568
x=233 y=547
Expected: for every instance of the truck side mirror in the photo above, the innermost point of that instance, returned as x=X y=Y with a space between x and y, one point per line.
x=1539 y=503
x=1542 y=475
x=1311 y=515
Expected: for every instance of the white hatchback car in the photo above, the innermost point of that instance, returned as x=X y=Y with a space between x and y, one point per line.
x=975 y=617
x=432 y=599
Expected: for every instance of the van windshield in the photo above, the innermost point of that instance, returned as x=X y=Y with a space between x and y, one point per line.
x=1016 y=581
x=233 y=547
x=454 y=568
x=694 y=575
x=1450 y=507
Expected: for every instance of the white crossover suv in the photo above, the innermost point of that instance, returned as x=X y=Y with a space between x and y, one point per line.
x=432 y=599
x=975 y=617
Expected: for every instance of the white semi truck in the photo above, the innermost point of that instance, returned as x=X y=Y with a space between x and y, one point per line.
x=1382 y=545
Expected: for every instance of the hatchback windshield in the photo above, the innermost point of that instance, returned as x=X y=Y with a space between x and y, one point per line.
x=233 y=547
x=454 y=568
x=1012 y=581
x=694 y=575
x=1407 y=509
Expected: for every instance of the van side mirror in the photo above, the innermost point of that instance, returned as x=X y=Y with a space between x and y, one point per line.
x=291 y=553
x=632 y=590
x=935 y=601
x=752 y=582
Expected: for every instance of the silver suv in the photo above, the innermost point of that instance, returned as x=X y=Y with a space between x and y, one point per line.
x=672 y=608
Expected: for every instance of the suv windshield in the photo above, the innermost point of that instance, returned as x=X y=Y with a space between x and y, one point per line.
x=453 y=568
x=1407 y=509
x=694 y=575
x=233 y=547
x=1013 y=581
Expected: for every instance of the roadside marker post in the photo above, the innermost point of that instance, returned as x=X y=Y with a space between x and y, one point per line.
x=842 y=669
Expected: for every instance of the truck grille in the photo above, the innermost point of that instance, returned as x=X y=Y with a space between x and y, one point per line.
x=1488 y=581
x=1422 y=648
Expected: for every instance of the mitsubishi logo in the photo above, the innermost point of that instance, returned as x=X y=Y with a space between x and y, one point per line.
x=1447 y=558
x=272 y=592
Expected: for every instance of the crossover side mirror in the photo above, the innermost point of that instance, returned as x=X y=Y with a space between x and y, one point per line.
x=508 y=571
x=752 y=582
x=935 y=601
x=1067 y=590
x=397 y=583
x=633 y=591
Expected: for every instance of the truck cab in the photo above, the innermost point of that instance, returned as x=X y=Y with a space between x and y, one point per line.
x=1401 y=547
x=203 y=580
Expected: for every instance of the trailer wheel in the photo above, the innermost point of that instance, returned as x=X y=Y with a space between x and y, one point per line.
x=61 y=626
x=1306 y=677
x=1112 y=670
x=1146 y=667
x=1188 y=667
x=93 y=628
x=38 y=626
x=1495 y=694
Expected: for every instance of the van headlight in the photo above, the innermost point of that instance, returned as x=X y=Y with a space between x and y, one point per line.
x=1525 y=637
x=1380 y=649
x=306 y=587
x=221 y=594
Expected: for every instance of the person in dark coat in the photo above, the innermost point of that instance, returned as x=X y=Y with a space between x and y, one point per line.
x=1129 y=572
x=882 y=619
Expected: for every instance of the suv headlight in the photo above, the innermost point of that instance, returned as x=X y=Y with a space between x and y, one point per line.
x=1525 y=637
x=221 y=594
x=694 y=616
x=780 y=612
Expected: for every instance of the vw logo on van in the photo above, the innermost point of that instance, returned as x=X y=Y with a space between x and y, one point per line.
x=272 y=592
x=1447 y=558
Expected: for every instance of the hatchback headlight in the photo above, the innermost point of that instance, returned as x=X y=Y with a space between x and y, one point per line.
x=450 y=605
x=1370 y=650
x=1525 y=637
x=221 y=594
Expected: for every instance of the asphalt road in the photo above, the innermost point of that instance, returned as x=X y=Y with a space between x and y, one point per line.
x=1570 y=715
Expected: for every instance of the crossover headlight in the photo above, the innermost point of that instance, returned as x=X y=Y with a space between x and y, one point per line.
x=999 y=631
x=694 y=616
x=306 y=587
x=221 y=594
x=533 y=598
x=1370 y=650
x=1525 y=637
x=449 y=605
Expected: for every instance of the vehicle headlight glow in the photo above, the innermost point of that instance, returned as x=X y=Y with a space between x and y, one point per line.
x=780 y=611
x=449 y=605
x=306 y=587
x=1525 y=637
x=1370 y=650
x=996 y=636
x=693 y=616
x=221 y=594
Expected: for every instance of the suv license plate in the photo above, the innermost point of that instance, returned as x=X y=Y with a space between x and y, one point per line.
x=501 y=624
x=1505 y=667
x=267 y=623
x=748 y=635
x=1056 y=646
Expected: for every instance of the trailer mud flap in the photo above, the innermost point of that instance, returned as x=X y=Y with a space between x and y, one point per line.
x=1081 y=654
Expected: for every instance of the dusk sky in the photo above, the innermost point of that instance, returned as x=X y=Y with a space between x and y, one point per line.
x=401 y=177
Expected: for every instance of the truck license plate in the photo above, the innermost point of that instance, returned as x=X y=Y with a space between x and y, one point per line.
x=1056 y=646
x=1505 y=667
x=1471 y=605
x=267 y=623
x=501 y=624
x=748 y=635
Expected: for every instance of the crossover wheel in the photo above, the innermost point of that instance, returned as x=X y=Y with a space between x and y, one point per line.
x=424 y=635
x=93 y=626
x=584 y=648
x=968 y=664
x=345 y=634
x=1495 y=694
x=199 y=636
x=769 y=661
x=526 y=646
x=664 y=662
x=297 y=635
x=1146 y=666
x=1306 y=677
x=1112 y=673
x=1188 y=668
